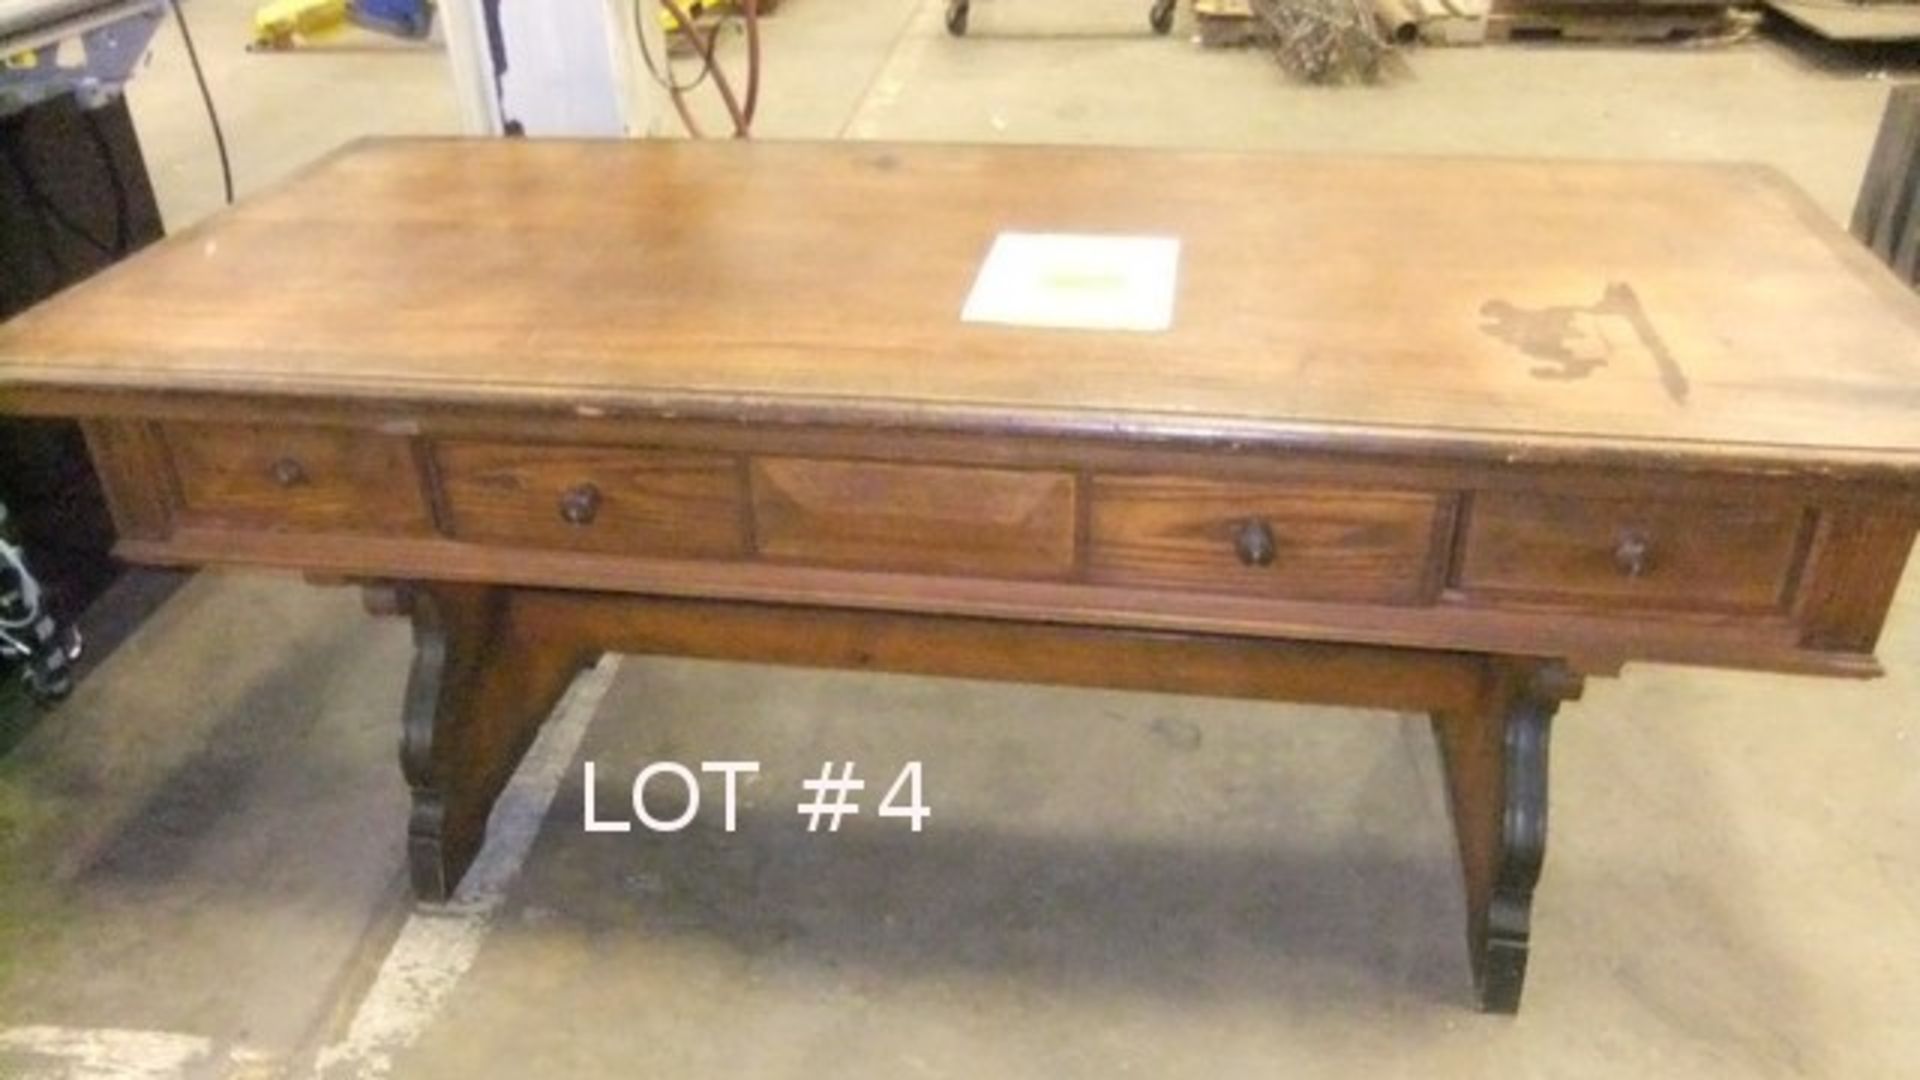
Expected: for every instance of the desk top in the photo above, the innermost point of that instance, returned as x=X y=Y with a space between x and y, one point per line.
x=1690 y=311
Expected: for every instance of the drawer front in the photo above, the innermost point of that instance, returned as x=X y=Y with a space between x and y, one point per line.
x=1631 y=553
x=1264 y=539
x=594 y=499
x=249 y=476
x=927 y=518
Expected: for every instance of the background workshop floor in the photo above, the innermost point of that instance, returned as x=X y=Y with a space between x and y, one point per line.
x=200 y=855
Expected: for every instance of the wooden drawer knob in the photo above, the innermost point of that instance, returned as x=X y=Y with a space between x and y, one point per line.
x=1633 y=555
x=580 y=505
x=287 y=472
x=1254 y=543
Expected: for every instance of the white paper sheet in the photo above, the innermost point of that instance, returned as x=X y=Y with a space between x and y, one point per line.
x=1076 y=281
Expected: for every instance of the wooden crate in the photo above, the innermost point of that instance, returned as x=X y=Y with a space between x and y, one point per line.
x=1224 y=24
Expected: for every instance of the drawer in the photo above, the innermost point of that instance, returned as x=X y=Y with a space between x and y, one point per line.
x=605 y=500
x=271 y=477
x=931 y=518
x=1265 y=539
x=1631 y=552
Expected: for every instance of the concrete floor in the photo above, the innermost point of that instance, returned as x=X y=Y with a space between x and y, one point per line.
x=200 y=854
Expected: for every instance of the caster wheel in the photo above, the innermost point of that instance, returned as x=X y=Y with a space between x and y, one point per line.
x=957 y=20
x=1161 y=17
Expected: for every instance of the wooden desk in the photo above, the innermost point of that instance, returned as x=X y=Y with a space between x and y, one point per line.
x=1427 y=435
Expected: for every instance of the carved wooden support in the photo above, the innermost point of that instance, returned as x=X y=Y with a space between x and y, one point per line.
x=483 y=680
x=1495 y=757
x=492 y=661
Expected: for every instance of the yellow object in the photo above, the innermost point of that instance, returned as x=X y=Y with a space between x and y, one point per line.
x=276 y=24
x=694 y=10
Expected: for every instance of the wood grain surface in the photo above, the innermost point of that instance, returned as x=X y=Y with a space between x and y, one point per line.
x=256 y=476
x=1443 y=435
x=1697 y=311
x=643 y=502
x=1554 y=549
x=971 y=522
x=1173 y=531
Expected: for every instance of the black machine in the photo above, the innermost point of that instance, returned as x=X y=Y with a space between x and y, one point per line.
x=74 y=198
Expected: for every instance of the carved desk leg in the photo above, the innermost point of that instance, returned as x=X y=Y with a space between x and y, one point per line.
x=1496 y=765
x=483 y=679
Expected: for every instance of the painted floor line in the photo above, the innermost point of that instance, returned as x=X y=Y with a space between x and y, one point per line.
x=59 y=1053
x=923 y=27
x=437 y=946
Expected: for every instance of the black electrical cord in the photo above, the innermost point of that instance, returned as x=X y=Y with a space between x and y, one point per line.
x=206 y=98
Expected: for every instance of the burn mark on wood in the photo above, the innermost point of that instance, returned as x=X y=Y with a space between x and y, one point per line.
x=1572 y=340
